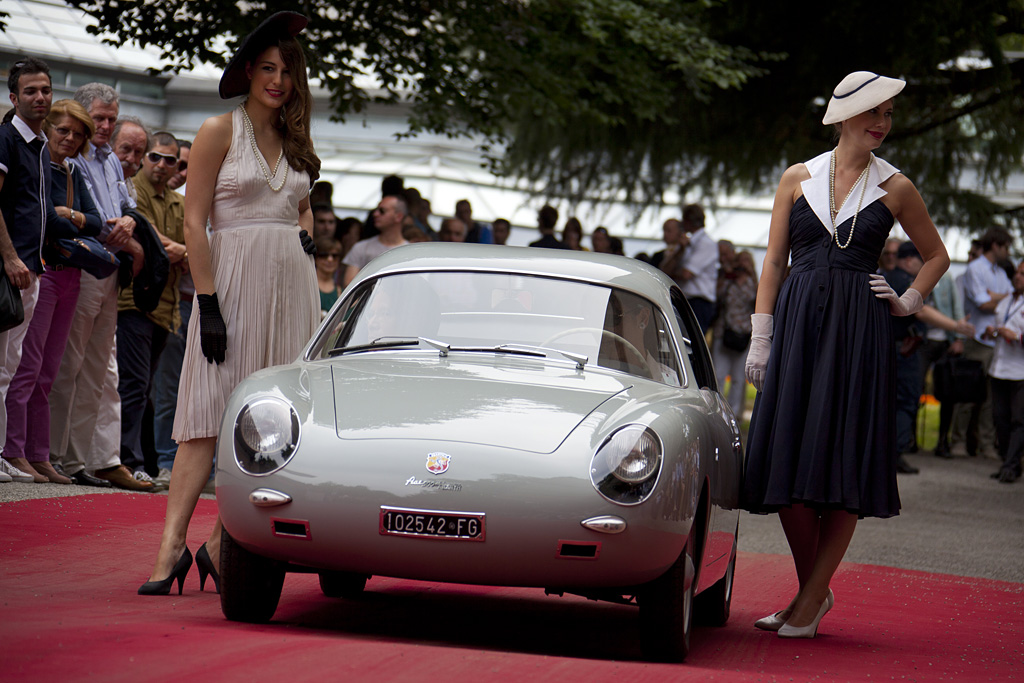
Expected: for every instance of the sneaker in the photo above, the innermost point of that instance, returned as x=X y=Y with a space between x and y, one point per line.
x=5 y=478
x=14 y=473
x=163 y=478
x=143 y=477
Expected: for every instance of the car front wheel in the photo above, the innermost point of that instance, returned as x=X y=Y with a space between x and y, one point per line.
x=666 y=610
x=250 y=585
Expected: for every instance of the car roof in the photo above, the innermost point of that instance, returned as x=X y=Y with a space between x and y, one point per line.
x=618 y=271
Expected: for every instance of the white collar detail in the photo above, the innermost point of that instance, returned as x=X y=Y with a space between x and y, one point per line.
x=27 y=133
x=816 y=188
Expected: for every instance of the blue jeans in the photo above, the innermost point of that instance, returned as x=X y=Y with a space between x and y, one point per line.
x=165 y=391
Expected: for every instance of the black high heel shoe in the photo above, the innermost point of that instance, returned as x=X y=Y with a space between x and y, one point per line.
x=205 y=566
x=181 y=568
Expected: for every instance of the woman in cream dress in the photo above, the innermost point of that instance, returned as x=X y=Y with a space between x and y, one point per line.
x=257 y=297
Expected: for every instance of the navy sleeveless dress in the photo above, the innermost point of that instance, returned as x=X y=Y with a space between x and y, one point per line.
x=823 y=429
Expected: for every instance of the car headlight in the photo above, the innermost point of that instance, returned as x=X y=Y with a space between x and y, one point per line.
x=266 y=434
x=625 y=468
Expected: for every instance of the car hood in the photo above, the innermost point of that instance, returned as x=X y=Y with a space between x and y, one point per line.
x=515 y=403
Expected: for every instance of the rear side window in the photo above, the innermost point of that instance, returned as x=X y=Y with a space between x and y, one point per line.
x=695 y=347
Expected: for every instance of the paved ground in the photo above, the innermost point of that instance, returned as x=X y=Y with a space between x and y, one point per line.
x=955 y=520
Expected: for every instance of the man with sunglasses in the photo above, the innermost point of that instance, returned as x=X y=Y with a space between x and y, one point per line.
x=387 y=218
x=168 y=370
x=141 y=336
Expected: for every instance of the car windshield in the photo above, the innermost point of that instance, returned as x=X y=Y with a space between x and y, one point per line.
x=612 y=328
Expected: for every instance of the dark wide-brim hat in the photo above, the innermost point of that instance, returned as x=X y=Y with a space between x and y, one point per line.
x=279 y=25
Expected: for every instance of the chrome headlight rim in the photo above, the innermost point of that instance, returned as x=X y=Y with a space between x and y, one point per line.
x=616 y=488
x=258 y=463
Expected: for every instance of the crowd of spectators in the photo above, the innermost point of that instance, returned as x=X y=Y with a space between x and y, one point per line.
x=89 y=380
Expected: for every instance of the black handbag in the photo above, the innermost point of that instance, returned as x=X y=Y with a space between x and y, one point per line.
x=12 y=312
x=735 y=341
x=83 y=252
x=959 y=380
x=88 y=254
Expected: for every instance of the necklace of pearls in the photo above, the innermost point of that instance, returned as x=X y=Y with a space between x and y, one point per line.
x=259 y=155
x=833 y=211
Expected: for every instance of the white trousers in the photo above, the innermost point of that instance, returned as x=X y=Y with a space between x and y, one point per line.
x=10 y=352
x=85 y=408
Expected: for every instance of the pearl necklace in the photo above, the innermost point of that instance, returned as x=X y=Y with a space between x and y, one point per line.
x=833 y=212
x=259 y=155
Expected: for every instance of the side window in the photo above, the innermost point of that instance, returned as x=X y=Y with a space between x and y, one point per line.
x=695 y=347
x=340 y=331
x=636 y=339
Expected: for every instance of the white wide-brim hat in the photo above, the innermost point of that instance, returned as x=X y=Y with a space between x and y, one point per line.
x=859 y=92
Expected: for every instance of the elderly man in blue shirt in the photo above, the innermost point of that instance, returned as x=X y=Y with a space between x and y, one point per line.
x=85 y=408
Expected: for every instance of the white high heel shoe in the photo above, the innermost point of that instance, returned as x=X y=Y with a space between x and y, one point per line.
x=773 y=622
x=808 y=631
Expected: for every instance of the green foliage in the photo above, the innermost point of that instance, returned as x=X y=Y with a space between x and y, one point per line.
x=625 y=99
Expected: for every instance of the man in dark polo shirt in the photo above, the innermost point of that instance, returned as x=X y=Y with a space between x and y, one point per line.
x=24 y=184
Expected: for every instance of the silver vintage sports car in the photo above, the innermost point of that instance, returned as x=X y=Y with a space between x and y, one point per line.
x=491 y=415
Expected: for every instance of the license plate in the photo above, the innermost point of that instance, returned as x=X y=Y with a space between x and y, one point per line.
x=451 y=526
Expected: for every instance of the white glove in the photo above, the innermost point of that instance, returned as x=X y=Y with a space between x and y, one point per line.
x=908 y=304
x=760 y=348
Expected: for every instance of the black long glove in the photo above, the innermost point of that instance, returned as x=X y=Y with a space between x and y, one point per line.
x=307 y=243
x=213 y=333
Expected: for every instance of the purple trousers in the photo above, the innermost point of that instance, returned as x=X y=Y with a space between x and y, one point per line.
x=28 y=399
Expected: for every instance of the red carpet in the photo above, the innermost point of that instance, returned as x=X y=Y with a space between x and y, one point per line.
x=69 y=611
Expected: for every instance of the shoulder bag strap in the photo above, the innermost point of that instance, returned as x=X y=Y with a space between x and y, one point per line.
x=71 y=192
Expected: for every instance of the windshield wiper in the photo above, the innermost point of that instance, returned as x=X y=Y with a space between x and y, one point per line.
x=578 y=358
x=379 y=343
x=512 y=349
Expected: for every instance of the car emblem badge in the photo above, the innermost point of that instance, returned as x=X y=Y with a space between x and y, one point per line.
x=437 y=463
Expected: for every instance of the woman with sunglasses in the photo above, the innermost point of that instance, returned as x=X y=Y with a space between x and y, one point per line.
x=821 y=448
x=256 y=292
x=68 y=127
x=328 y=260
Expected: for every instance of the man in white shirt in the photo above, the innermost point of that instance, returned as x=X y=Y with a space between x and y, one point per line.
x=698 y=276
x=387 y=218
x=985 y=285
x=1006 y=374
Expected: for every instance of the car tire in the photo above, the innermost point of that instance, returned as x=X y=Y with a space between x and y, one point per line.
x=666 y=610
x=250 y=585
x=713 y=605
x=342 y=584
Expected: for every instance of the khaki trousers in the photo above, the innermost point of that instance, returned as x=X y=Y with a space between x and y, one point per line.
x=85 y=409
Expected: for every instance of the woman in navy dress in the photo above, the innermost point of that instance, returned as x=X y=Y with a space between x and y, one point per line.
x=821 y=447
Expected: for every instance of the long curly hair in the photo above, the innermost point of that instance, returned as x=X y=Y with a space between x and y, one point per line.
x=297 y=112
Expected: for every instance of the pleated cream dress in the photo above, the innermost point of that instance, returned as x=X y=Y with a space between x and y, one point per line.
x=265 y=283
